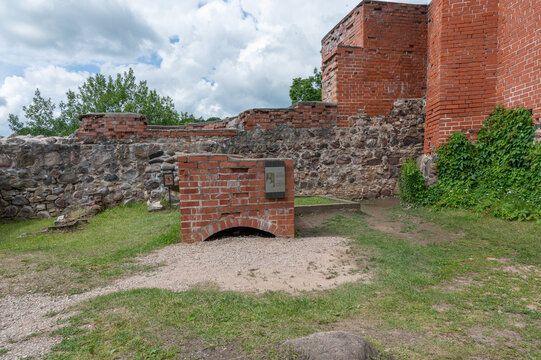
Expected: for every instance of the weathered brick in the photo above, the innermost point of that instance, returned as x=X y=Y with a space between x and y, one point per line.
x=228 y=201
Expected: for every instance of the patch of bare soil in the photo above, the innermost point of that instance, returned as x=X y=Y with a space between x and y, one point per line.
x=251 y=264
x=492 y=337
x=460 y=283
x=524 y=271
x=195 y=349
x=312 y=224
x=406 y=227
x=441 y=308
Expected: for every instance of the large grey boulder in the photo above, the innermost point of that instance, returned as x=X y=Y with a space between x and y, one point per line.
x=331 y=345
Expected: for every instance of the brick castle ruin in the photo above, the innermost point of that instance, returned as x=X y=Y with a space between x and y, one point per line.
x=398 y=79
x=464 y=56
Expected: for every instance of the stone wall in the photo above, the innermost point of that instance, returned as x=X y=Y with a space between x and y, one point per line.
x=42 y=177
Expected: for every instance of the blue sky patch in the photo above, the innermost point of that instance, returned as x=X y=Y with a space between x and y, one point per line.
x=154 y=59
x=212 y=82
x=10 y=70
x=90 y=68
x=246 y=15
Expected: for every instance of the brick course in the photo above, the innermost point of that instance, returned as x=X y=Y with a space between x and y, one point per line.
x=482 y=53
x=218 y=192
x=301 y=115
x=519 y=55
x=374 y=56
x=118 y=126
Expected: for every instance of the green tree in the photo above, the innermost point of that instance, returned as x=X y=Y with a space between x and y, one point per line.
x=308 y=89
x=40 y=115
x=98 y=94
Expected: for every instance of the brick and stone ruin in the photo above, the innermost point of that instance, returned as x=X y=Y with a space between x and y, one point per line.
x=398 y=79
x=220 y=192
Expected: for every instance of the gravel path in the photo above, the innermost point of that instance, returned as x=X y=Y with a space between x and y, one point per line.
x=243 y=264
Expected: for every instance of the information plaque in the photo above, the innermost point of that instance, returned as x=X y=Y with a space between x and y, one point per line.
x=275 y=179
x=168 y=182
x=168 y=178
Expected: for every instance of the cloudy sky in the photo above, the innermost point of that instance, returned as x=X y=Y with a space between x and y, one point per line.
x=213 y=57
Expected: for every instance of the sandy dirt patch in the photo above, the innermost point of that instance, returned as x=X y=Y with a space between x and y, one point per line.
x=251 y=264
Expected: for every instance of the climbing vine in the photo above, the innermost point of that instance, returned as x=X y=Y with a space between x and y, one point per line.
x=500 y=174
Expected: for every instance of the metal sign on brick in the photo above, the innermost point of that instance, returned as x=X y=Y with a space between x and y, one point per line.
x=275 y=179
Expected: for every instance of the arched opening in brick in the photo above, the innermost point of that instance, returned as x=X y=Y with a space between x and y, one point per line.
x=239 y=231
x=220 y=192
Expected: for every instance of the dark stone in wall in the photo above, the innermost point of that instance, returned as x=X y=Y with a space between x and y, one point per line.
x=155 y=154
x=110 y=177
x=25 y=160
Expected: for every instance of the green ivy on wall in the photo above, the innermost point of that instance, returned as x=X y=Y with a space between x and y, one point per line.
x=499 y=175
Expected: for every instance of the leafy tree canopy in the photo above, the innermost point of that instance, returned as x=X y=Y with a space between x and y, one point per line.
x=308 y=89
x=97 y=94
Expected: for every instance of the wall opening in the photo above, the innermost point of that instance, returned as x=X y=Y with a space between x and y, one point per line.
x=239 y=232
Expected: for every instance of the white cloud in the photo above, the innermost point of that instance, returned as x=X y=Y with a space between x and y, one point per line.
x=18 y=91
x=230 y=55
x=70 y=31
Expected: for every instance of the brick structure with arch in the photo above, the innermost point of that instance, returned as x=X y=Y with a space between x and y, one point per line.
x=220 y=192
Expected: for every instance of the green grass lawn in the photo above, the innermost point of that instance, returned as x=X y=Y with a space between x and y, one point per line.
x=315 y=200
x=75 y=261
x=475 y=296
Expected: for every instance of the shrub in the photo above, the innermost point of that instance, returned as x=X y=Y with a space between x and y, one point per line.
x=456 y=159
x=499 y=175
x=411 y=183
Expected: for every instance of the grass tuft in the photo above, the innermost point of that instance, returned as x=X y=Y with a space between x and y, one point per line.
x=315 y=200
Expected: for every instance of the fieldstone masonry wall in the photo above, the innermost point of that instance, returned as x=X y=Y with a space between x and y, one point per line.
x=42 y=177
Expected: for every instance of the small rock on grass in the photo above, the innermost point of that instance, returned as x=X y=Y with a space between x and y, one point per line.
x=154 y=206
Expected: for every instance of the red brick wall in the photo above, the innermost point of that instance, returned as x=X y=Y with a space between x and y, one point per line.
x=394 y=26
x=372 y=80
x=218 y=192
x=433 y=91
x=481 y=53
x=127 y=125
x=519 y=55
x=348 y=32
x=374 y=56
x=467 y=64
x=302 y=115
x=111 y=125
